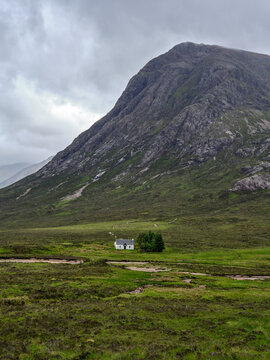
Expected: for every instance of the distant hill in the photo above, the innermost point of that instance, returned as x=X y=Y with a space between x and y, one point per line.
x=19 y=171
x=6 y=171
x=189 y=135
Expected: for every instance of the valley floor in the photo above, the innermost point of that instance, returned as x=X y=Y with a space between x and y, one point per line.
x=101 y=309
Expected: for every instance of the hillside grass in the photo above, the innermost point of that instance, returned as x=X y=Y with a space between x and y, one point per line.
x=166 y=191
x=186 y=234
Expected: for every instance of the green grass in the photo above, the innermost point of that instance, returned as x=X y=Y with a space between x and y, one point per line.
x=61 y=311
x=186 y=234
x=166 y=191
x=53 y=311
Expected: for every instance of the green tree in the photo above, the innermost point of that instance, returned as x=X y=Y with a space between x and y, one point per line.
x=159 y=243
x=150 y=242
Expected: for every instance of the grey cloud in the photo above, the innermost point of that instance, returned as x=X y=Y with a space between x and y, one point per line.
x=81 y=54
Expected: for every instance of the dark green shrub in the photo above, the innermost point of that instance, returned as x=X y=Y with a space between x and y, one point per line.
x=150 y=242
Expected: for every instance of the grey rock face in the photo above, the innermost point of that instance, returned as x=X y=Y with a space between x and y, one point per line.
x=190 y=103
x=253 y=183
x=263 y=166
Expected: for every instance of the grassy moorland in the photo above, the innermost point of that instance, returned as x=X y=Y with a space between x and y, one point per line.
x=198 y=196
x=89 y=311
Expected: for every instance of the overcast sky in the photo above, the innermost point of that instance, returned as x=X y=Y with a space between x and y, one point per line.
x=64 y=63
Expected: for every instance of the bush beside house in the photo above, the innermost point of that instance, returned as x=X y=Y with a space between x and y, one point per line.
x=150 y=242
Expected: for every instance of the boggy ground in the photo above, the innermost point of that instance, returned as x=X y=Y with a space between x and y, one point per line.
x=93 y=311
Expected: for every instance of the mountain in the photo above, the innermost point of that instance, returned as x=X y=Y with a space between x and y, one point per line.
x=22 y=172
x=6 y=171
x=190 y=134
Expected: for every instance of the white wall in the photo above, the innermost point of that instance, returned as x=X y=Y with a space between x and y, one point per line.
x=121 y=247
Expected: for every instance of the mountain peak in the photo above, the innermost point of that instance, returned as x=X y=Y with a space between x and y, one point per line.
x=196 y=105
x=175 y=97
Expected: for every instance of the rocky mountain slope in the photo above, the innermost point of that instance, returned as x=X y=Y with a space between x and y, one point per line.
x=194 y=121
x=192 y=102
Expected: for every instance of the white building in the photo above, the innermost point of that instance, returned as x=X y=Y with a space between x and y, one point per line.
x=124 y=244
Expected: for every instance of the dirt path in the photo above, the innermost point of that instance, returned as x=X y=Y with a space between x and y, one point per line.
x=112 y=262
x=35 y=260
x=256 y=277
x=191 y=273
x=23 y=194
x=146 y=269
x=135 y=266
x=76 y=194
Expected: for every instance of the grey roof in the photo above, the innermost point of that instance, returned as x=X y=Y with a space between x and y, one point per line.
x=124 y=241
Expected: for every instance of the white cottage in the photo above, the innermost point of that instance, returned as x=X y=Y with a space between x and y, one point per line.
x=124 y=244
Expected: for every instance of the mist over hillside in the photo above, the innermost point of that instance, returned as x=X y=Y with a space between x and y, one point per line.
x=20 y=171
x=6 y=171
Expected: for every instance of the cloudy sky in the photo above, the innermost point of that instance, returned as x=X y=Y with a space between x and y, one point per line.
x=64 y=63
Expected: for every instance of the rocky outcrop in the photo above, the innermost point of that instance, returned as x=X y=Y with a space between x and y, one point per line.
x=253 y=183
x=256 y=178
x=251 y=170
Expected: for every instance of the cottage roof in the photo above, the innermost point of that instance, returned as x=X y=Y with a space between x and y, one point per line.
x=124 y=241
